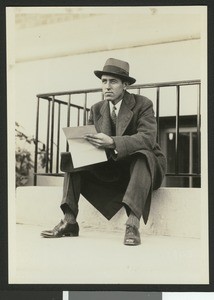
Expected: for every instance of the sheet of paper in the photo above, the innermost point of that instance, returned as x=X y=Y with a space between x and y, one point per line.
x=82 y=152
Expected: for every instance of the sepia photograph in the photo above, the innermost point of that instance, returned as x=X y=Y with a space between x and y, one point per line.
x=107 y=145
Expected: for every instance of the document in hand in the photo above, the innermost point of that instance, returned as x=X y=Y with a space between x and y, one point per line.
x=82 y=152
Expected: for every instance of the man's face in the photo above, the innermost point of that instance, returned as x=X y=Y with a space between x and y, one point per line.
x=113 y=87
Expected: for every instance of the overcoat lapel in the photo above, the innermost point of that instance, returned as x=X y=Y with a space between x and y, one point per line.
x=125 y=114
x=104 y=122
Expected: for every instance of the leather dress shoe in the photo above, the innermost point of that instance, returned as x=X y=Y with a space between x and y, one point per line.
x=62 y=229
x=132 y=236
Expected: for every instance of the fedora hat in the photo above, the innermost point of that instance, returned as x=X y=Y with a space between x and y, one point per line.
x=116 y=67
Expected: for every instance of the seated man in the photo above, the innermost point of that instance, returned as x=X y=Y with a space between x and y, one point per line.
x=126 y=129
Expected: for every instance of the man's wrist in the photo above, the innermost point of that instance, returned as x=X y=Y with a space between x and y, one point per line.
x=113 y=146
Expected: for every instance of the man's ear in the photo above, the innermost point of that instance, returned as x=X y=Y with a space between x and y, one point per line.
x=125 y=85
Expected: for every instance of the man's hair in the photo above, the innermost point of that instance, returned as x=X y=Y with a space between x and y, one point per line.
x=122 y=79
x=125 y=80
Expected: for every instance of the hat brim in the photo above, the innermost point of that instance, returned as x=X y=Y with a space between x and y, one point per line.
x=99 y=74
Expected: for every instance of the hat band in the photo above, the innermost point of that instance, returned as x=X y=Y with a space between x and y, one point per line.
x=116 y=70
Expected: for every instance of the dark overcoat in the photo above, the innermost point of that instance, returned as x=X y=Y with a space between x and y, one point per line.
x=136 y=132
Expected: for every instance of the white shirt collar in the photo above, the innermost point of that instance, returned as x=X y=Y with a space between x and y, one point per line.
x=117 y=106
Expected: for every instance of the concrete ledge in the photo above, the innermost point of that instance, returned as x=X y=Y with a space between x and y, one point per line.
x=174 y=211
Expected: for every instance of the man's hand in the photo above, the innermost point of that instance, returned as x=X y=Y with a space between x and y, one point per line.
x=100 y=140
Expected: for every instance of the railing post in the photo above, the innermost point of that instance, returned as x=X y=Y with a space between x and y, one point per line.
x=177 y=126
x=52 y=134
x=84 y=110
x=78 y=116
x=36 y=142
x=199 y=128
x=68 y=117
x=68 y=110
x=190 y=158
x=58 y=138
x=48 y=137
x=158 y=112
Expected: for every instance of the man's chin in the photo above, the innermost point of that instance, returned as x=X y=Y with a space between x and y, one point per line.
x=108 y=98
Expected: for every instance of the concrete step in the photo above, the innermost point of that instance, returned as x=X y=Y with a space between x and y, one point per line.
x=174 y=211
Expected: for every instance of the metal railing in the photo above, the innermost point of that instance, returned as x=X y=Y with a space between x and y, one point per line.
x=55 y=102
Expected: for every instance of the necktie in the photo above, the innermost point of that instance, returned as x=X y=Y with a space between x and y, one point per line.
x=113 y=115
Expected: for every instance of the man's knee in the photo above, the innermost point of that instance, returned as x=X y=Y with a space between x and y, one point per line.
x=139 y=161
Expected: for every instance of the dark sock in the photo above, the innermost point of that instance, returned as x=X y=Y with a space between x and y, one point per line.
x=133 y=221
x=69 y=217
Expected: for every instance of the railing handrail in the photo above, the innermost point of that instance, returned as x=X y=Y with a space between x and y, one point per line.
x=135 y=86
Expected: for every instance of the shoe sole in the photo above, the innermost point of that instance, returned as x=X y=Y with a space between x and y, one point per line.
x=59 y=236
x=131 y=242
x=134 y=244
